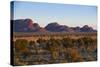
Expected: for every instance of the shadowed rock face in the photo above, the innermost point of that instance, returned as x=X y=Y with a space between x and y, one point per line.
x=27 y=25
x=55 y=27
x=86 y=28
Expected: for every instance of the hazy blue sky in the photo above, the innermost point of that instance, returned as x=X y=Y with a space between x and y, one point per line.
x=65 y=14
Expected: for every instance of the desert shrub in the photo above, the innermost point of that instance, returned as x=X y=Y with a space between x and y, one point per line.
x=40 y=40
x=74 y=55
x=67 y=42
x=42 y=43
x=88 y=42
x=20 y=51
x=53 y=47
x=21 y=45
x=33 y=46
x=80 y=42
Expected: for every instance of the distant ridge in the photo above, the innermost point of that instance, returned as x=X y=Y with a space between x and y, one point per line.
x=27 y=25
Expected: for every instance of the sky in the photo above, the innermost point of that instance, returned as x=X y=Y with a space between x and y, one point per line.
x=64 y=14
